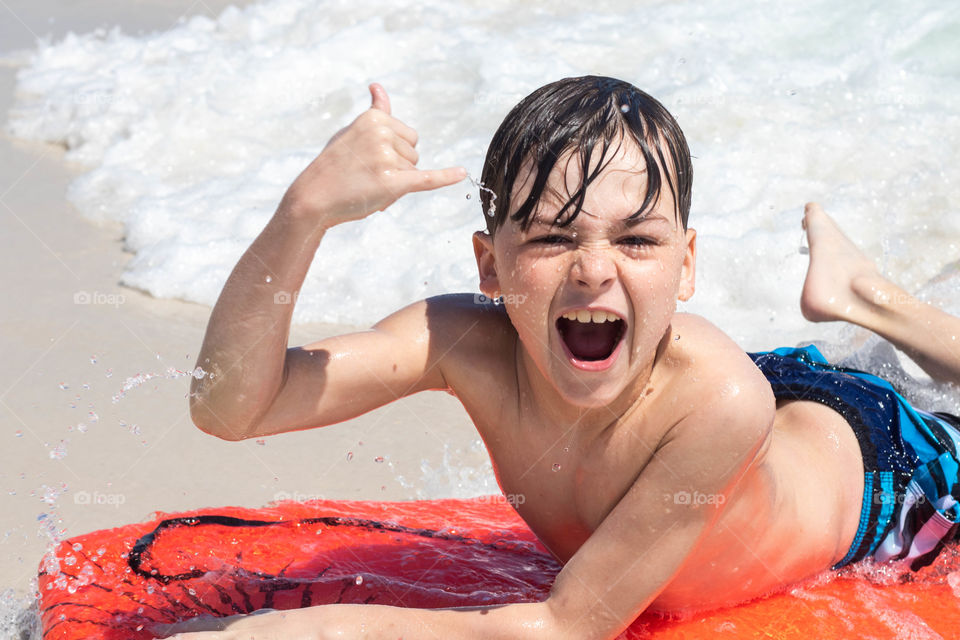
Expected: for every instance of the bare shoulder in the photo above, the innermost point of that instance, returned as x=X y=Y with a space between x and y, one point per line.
x=468 y=335
x=717 y=379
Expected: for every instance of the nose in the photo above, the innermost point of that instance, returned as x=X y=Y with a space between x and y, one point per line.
x=593 y=270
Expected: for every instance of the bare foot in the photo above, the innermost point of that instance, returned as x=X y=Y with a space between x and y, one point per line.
x=842 y=283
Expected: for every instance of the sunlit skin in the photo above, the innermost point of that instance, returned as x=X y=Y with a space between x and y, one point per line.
x=635 y=269
x=600 y=452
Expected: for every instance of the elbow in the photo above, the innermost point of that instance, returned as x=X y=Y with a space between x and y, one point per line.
x=207 y=420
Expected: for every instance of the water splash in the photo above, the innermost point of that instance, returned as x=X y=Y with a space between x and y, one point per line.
x=172 y=373
x=492 y=209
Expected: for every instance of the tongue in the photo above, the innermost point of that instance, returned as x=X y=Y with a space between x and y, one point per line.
x=589 y=340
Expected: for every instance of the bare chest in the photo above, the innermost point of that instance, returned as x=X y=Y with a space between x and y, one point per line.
x=563 y=486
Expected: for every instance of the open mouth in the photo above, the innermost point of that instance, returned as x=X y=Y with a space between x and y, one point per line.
x=591 y=335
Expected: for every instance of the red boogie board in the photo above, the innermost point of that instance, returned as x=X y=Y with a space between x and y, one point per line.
x=114 y=584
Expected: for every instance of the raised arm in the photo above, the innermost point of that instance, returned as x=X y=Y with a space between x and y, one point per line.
x=253 y=384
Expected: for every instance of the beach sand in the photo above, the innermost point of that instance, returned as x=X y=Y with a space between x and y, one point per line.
x=72 y=335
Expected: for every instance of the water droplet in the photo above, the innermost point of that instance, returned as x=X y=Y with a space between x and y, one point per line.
x=349 y=456
x=70 y=561
x=624 y=108
x=19 y=433
x=64 y=385
x=77 y=546
x=378 y=459
x=556 y=466
x=261 y=442
x=468 y=196
x=93 y=359
x=268 y=279
x=358 y=580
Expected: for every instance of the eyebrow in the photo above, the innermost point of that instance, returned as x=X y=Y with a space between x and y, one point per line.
x=627 y=223
x=648 y=216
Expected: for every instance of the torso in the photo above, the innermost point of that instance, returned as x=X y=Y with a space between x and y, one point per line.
x=793 y=514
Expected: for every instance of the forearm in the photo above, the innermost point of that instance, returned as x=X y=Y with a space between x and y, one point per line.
x=244 y=349
x=522 y=621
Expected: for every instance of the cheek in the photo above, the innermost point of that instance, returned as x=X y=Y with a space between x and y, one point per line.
x=654 y=296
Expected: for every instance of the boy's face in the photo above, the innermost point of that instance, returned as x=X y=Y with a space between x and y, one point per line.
x=591 y=301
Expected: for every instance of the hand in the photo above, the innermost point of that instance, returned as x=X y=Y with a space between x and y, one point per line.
x=364 y=168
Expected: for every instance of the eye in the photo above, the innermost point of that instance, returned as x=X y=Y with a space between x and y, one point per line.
x=637 y=241
x=550 y=240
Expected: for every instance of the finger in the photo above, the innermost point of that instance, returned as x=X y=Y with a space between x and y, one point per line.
x=408 y=134
x=433 y=179
x=379 y=98
x=406 y=152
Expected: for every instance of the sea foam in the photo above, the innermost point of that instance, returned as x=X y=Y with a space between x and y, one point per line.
x=189 y=136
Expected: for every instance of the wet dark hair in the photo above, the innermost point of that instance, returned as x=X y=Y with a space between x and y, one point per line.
x=579 y=114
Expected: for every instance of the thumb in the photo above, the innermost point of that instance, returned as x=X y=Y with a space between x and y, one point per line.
x=379 y=98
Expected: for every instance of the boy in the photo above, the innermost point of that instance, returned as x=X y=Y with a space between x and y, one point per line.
x=664 y=466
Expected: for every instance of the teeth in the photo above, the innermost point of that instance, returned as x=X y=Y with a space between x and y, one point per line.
x=586 y=315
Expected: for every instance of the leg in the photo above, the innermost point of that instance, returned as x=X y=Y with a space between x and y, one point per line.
x=843 y=284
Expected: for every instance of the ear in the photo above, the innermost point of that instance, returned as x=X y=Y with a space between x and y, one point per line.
x=689 y=272
x=486 y=264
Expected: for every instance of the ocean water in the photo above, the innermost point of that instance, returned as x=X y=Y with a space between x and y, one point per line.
x=188 y=138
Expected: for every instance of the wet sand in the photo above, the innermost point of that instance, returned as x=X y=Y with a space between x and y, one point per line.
x=71 y=337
